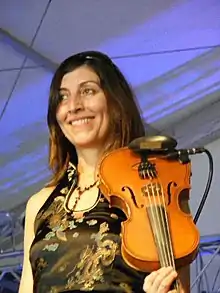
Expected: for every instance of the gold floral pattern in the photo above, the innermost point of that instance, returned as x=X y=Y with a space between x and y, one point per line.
x=41 y=264
x=71 y=171
x=89 y=270
x=58 y=222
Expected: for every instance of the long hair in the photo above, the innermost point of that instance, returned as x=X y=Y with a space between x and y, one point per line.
x=125 y=119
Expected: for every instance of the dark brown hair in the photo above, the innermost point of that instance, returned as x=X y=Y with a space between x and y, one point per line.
x=125 y=119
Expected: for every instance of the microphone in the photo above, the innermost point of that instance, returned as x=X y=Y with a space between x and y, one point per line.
x=175 y=154
x=164 y=146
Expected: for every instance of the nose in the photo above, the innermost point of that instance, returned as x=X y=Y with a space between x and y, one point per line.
x=75 y=104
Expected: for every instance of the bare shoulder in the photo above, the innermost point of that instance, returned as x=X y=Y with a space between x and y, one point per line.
x=34 y=204
x=36 y=201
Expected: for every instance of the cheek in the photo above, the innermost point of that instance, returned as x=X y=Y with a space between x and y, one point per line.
x=103 y=110
x=100 y=106
x=60 y=114
x=105 y=125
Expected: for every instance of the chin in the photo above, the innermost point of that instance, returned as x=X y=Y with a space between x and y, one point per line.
x=86 y=139
x=84 y=142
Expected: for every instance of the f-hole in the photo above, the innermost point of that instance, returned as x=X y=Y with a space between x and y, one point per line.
x=124 y=188
x=169 y=186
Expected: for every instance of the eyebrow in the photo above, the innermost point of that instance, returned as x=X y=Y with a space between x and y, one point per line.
x=81 y=84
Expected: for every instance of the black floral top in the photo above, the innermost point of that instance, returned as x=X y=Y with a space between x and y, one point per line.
x=78 y=255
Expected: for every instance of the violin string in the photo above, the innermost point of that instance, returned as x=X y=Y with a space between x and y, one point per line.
x=157 y=225
x=168 y=237
x=168 y=232
x=160 y=224
x=161 y=228
x=151 y=214
x=156 y=222
x=161 y=209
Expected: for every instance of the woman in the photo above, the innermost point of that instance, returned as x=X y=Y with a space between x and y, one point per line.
x=72 y=236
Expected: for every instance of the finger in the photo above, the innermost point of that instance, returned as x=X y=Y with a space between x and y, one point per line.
x=149 y=281
x=164 y=284
x=161 y=281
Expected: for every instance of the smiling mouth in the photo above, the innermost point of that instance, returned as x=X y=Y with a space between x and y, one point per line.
x=81 y=121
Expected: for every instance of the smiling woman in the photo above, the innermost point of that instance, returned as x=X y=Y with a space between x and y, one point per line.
x=72 y=235
x=82 y=113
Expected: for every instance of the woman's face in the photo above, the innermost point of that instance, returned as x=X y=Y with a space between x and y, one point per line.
x=82 y=113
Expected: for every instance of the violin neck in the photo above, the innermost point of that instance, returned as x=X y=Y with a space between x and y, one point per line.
x=160 y=228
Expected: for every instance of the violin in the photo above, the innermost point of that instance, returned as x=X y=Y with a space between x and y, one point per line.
x=153 y=192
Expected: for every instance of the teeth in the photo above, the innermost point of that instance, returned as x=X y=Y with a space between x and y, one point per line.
x=81 y=121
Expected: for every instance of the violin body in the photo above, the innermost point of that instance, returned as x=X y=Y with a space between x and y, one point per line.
x=159 y=229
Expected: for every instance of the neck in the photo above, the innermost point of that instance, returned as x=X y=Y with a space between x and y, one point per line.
x=88 y=160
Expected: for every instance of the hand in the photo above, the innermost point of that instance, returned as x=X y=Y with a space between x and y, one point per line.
x=160 y=281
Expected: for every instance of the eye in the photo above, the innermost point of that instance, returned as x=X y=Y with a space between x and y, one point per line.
x=87 y=92
x=63 y=97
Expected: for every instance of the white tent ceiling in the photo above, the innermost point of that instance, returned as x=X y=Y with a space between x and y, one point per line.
x=168 y=49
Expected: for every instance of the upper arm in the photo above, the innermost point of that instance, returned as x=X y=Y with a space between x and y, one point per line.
x=33 y=206
x=184 y=276
x=26 y=284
